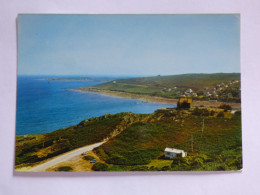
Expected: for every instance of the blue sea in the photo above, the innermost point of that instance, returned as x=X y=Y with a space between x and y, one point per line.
x=44 y=106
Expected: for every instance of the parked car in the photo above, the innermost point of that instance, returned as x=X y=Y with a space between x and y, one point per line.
x=93 y=161
x=84 y=153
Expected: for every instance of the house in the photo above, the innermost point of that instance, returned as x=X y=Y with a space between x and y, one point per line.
x=185 y=102
x=114 y=81
x=189 y=91
x=207 y=94
x=212 y=91
x=172 y=152
x=194 y=94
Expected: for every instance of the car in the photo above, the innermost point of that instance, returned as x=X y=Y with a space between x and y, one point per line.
x=84 y=153
x=93 y=161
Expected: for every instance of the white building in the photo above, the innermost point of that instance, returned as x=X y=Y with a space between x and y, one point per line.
x=189 y=90
x=172 y=152
x=207 y=94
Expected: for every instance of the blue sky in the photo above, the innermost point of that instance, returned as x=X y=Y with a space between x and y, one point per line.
x=128 y=44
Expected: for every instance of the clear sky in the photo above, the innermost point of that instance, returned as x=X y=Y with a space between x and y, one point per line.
x=128 y=44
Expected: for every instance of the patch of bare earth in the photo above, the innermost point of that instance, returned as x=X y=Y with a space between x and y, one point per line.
x=77 y=163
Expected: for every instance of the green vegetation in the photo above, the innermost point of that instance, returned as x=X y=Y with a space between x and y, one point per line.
x=64 y=168
x=88 y=157
x=37 y=148
x=99 y=167
x=137 y=141
x=221 y=86
x=219 y=145
x=226 y=107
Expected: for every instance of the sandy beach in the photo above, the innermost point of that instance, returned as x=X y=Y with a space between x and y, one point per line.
x=154 y=99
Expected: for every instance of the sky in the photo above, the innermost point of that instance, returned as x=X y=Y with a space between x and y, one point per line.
x=128 y=44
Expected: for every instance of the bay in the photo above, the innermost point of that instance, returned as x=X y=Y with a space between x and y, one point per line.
x=44 y=105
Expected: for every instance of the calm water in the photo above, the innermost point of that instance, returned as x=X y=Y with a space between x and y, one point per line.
x=44 y=106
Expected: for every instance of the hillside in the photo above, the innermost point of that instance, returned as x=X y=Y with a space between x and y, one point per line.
x=35 y=148
x=141 y=146
x=137 y=141
x=221 y=86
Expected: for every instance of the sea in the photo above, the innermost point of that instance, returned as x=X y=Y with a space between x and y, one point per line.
x=45 y=105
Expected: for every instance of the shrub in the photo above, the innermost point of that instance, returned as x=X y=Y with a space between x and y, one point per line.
x=176 y=161
x=197 y=111
x=183 y=105
x=197 y=162
x=220 y=114
x=200 y=112
x=64 y=168
x=238 y=113
x=140 y=168
x=226 y=107
x=165 y=168
x=212 y=113
x=221 y=168
x=88 y=157
x=100 y=167
x=205 y=112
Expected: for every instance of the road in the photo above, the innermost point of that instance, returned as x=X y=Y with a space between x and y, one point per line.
x=64 y=157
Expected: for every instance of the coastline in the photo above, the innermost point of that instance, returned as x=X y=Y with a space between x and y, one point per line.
x=149 y=98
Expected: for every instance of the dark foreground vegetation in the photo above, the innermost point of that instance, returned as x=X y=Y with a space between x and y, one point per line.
x=137 y=141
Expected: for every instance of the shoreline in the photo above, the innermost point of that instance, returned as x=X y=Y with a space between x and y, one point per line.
x=154 y=99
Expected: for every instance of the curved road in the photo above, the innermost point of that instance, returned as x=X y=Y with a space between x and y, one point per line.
x=64 y=157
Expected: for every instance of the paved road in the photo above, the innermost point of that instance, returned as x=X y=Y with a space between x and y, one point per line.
x=64 y=157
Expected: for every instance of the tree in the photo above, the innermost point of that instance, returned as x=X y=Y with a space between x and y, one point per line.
x=220 y=114
x=100 y=167
x=226 y=107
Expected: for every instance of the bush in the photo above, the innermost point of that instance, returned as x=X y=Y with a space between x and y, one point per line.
x=220 y=114
x=184 y=105
x=64 y=168
x=100 y=167
x=226 y=107
x=165 y=168
x=238 y=113
x=200 y=112
x=197 y=162
x=88 y=157
x=197 y=111
x=176 y=161
x=205 y=112
x=140 y=168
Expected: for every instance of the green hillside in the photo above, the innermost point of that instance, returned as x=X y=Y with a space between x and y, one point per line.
x=218 y=147
x=137 y=141
x=176 y=85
